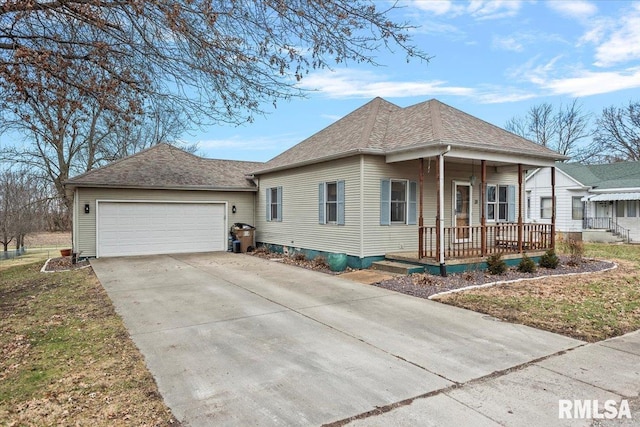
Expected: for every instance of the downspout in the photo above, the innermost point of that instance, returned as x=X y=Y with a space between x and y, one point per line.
x=443 y=267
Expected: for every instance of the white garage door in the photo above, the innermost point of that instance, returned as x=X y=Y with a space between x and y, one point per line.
x=146 y=228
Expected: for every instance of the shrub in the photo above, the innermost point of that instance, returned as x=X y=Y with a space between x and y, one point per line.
x=496 y=265
x=320 y=262
x=549 y=259
x=526 y=265
x=576 y=251
x=299 y=256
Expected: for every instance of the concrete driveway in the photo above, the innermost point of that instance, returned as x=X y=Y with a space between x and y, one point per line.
x=237 y=340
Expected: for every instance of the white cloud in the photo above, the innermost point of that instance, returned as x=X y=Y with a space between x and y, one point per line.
x=331 y=117
x=494 y=9
x=366 y=84
x=511 y=43
x=586 y=83
x=623 y=44
x=479 y=9
x=573 y=9
x=437 y=7
x=502 y=95
x=237 y=142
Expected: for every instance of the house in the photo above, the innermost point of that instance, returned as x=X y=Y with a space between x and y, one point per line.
x=600 y=202
x=428 y=182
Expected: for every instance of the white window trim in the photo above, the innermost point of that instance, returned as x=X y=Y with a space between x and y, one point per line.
x=327 y=202
x=406 y=201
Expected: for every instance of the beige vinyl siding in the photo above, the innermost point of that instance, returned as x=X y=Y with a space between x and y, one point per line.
x=86 y=223
x=380 y=239
x=299 y=227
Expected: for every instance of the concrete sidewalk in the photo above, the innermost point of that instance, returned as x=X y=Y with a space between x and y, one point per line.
x=529 y=395
x=237 y=340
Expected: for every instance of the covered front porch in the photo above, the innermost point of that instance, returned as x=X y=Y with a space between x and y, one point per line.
x=475 y=217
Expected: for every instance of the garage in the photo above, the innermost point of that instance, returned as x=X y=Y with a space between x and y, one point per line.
x=126 y=228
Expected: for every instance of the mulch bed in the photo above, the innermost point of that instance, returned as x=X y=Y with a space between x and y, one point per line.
x=317 y=264
x=425 y=285
x=64 y=263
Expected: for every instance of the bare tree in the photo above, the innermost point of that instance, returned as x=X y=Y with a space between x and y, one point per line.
x=70 y=134
x=572 y=126
x=560 y=130
x=220 y=59
x=617 y=135
x=21 y=205
x=86 y=82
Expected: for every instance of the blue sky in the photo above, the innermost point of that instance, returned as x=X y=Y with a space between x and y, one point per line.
x=491 y=59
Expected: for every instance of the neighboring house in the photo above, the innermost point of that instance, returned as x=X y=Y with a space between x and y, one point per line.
x=381 y=179
x=589 y=198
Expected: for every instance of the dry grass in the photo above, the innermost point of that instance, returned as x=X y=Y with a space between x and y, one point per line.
x=66 y=357
x=591 y=307
x=40 y=246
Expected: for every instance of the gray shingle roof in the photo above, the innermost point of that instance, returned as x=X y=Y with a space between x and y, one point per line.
x=166 y=167
x=605 y=176
x=380 y=127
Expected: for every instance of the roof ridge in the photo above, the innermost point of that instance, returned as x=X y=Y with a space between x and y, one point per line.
x=118 y=161
x=368 y=128
x=436 y=119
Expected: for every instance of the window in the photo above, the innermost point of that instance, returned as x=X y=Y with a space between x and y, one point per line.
x=632 y=208
x=398 y=202
x=491 y=202
x=274 y=204
x=620 y=208
x=545 y=207
x=331 y=202
x=577 y=208
x=501 y=203
x=528 y=207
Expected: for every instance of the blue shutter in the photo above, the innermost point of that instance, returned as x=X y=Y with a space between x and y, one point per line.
x=385 y=202
x=268 y=199
x=279 y=208
x=340 y=189
x=321 y=203
x=511 y=201
x=413 y=204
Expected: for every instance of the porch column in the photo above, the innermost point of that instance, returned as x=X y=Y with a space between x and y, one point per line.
x=443 y=269
x=520 y=224
x=483 y=207
x=421 y=217
x=438 y=236
x=553 y=207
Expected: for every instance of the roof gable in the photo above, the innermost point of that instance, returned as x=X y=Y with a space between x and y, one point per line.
x=164 y=166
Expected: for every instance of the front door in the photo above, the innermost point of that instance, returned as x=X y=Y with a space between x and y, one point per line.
x=462 y=210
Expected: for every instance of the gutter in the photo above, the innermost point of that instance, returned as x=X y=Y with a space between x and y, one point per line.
x=375 y=152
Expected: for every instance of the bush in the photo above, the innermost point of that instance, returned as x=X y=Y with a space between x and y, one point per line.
x=299 y=256
x=496 y=265
x=320 y=262
x=526 y=265
x=576 y=251
x=549 y=259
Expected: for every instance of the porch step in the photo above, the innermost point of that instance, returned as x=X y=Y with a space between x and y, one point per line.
x=397 y=267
